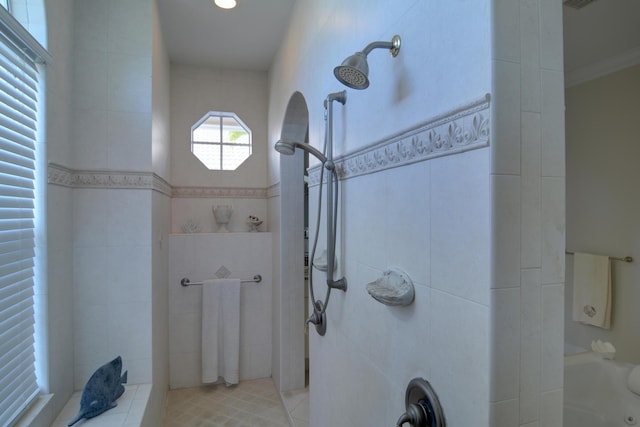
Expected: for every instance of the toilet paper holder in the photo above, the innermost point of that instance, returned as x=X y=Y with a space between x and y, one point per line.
x=422 y=405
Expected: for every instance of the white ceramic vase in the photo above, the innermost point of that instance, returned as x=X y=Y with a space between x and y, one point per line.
x=222 y=214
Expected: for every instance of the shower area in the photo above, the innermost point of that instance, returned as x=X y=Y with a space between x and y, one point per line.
x=441 y=172
x=436 y=178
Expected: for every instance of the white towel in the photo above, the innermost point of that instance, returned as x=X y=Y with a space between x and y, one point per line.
x=221 y=331
x=592 y=289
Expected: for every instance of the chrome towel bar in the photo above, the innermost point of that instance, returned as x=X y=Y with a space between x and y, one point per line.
x=186 y=282
x=625 y=259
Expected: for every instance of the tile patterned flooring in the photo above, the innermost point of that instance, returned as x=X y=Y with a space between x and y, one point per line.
x=254 y=403
x=296 y=403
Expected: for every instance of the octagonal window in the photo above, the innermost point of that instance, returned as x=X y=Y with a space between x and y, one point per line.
x=221 y=141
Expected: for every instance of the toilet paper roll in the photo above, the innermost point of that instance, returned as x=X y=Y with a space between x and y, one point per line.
x=633 y=382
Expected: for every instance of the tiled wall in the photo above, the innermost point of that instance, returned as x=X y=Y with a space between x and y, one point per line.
x=528 y=214
x=112 y=276
x=198 y=90
x=194 y=92
x=430 y=218
x=198 y=257
x=481 y=232
x=110 y=130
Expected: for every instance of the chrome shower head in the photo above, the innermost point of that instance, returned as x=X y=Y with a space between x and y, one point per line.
x=354 y=71
x=289 y=147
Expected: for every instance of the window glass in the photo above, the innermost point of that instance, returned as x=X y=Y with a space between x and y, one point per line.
x=221 y=141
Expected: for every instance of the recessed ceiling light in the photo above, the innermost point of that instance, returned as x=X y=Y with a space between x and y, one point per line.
x=225 y=4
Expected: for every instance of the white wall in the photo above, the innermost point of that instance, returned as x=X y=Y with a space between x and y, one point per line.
x=528 y=224
x=197 y=90
x=198 y=256
x=54 y=307
x=94 y=234
x=602 y=203
x=161 y=221
x=111 y=130
x=398 y=217
x=481 y=233
x=104 y=187
x=194 y=92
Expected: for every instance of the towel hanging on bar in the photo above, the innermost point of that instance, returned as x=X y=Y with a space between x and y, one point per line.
x=221 y=331
x=592 y=290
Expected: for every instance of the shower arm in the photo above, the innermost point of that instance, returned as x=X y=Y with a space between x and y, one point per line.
x=330 y=166
x=378 y=45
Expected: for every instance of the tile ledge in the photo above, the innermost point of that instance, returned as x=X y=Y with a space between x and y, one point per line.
x=139 y=400
x=27 y=419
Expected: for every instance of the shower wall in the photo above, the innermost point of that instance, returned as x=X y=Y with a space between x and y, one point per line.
x=107 y=196
x=54 y=302
x=195 y=190
x=111 y=130
x=198 y=256
x=194 y=92
x=602 y=203
x=481 y=233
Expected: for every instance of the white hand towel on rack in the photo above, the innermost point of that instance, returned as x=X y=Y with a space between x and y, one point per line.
x=592 y=289
x=221 y=331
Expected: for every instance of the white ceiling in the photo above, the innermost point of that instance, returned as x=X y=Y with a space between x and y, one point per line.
x=196 y=32
x=244 y=38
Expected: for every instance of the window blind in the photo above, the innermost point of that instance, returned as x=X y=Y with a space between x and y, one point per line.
x=18 y=114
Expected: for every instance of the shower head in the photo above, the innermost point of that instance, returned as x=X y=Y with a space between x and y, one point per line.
x=354 y=71
x=284 y=147
x=289 y=147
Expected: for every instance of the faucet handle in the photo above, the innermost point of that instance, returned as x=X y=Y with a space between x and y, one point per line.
x=318 y=318
x=422 y=406
x=416 y=416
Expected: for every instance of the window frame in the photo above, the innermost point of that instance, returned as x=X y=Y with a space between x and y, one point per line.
x=221 y=143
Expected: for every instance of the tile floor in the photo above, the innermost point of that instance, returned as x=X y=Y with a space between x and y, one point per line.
x=253 y=403
x=296 y=403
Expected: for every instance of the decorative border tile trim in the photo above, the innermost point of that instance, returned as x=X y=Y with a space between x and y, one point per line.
x=162 y=186
x=463 y=129
x=60 y=175
x=219 y=192
x=113 y=179
x=273 y=190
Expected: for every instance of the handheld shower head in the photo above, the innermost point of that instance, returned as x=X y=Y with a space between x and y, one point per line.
x=354 y=71
x=289 y=147
x=285 y=147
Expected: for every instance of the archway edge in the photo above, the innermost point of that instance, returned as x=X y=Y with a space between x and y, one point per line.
x=295 y=124
x=289 y=338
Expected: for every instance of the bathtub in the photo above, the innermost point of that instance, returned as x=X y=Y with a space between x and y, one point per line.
x=596 y=393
